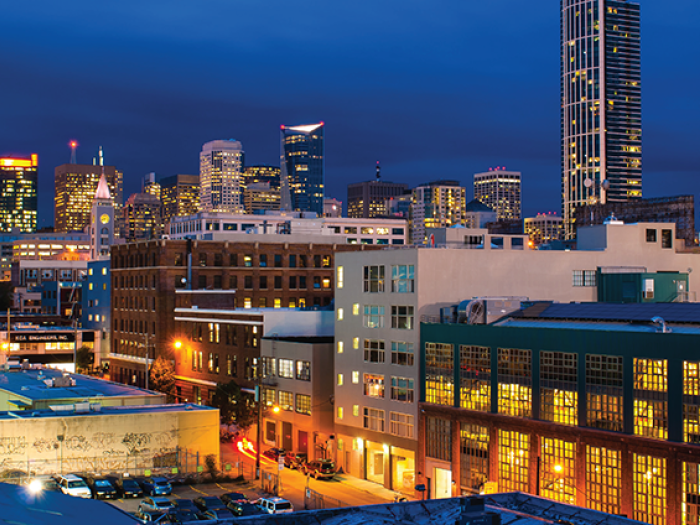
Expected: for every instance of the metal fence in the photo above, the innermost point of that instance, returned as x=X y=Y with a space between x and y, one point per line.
x=315 y=500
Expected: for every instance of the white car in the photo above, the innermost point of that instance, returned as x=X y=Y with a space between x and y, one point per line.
x=74 y=486
x=275 y=505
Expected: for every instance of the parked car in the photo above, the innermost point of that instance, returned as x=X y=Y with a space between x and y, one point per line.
x=274 y=453
x=184 y=505
x=156 y=486
x=45 y=483
x=187 y=517
x=243 y=508
x=320 y=468
x=156 y=504
x=274 y=505
x=73 y=486
x=232 y=496
x=101 y=488
x=220 y=515
x=208 y=503
x=126 y=487
x=295 y=460
x=150 y=516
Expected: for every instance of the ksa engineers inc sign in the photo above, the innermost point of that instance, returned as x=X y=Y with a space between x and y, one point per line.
x=42 y=338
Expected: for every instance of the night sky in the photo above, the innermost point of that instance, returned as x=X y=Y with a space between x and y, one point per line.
x=433 y=89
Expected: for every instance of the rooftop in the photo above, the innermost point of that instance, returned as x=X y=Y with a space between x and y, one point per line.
x=623 y=312
x=103 y=410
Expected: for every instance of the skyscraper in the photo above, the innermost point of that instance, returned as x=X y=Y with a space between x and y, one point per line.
x=221 y=176
x=76 y=185
x=601 y=112
x=18 y=193
x=179 y=195
x=262 y=173
x=302 y=168
x=500 y=190
x=368 y=199
x=438 y=204
x=141 y=217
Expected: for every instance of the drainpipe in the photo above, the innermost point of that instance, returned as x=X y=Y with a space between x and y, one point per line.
x=189 y=264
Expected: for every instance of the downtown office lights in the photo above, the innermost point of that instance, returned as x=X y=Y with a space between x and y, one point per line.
x=18 y=193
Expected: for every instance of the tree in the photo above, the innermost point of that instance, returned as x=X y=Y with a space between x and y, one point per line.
x=84 y=359
x=162 y=376
x=235 y=406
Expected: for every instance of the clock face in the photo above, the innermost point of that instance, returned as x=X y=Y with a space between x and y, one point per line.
x=104 y=219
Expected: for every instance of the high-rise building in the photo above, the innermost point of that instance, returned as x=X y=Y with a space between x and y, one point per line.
x=499 y=190
x=438 y=204
x=221 y=176
x=18 y=193
x=141 y=217
x=260 y=173
x=102 y=222
x=260 y=196
x=151 y=185
x=601 y=111
x=544 y=228
x=302 y=168
x=368 y=199
x=76 y=185
x=179 y=195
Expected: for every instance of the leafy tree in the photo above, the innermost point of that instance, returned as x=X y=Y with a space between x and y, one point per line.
x=235 y=406
x=162 y=376
x=84 y=359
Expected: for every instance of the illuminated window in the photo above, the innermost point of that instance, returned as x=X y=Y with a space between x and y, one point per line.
x=603 y=479
x=340 y=347
x=373 y=317
x=356 y=309
x=340 y=412
x=513 y=461
x=438 y=441
x=374 y=279
x=691 y=493
x=374 y=351
x=303 y=404
x=356 y=410
x=373 y=385
x=355 y=377
x=649 y=482
x=402 y=279
x=340 y=313
x=286 y=400
x=373 y=419
x=558 y=388
x=651 y=398
x=401 y=424
x=475 y=378
x=247 y=302
x=339 y=280
x=439 y=374
x=691 y=402
x=473 y=456
x=286 y=368
x=402 y=389
x=604 y=392
x=515 y=382
x=558 y=470
x=340 y=380
x=356 y=342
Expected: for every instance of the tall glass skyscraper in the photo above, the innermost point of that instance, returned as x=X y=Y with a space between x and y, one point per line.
x=221 y=176
x=302 y=168
x=601 y=111
x=18 y=193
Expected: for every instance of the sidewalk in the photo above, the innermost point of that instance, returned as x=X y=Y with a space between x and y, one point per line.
x=369 y=487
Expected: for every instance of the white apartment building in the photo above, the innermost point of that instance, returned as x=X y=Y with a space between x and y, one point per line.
x=438 y=204
x=381 y=296
x=221 y=176
x=500 y=190
x=544 y=228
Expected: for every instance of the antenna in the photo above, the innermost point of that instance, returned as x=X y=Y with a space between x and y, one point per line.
x=379 y=171
x=102 y=160
x=73 y=146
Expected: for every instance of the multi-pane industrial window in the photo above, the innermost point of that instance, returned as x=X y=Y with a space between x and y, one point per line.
x=374 y=351
x=213 y=363
x=304 y=370
x=197 y=359
x=649 y=494
x=651 y=398
x=373 y=385
x=584 y=278
x=214 y=333
x=475 y=378
x=604 y=392
x=401 y=425
x=691 y=493
x=558 y=388
x=691 y=402
x=558 y=470
x=439 y=374
x=286 y=400
x=402 y=389
x=474 y=457
x=513 y=461
x=303 y=404
x=438 y=438
x=402 y=278
x=374 y=279
x=402 y=317
x=515 y=382
x=373 y=316
x=286 y=368
x=268 y=397
x=373 y=419
x=401 y=353
x=603 y=479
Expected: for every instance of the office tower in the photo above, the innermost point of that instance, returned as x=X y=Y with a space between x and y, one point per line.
x=438 y=204
x=151 y=185
x=18 y=193
x=179 y=195
x=499 y=190
x=260 y=196
x=141 y=217
x=368 y=199
x=544 y=228
x=268 y=174
x=101 y=222
x=221 y=176
x=76 y=185
x=302 y=168
x=601 y=110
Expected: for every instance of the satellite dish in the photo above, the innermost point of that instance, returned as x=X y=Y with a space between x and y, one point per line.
x=588 y=183
x=605 y=185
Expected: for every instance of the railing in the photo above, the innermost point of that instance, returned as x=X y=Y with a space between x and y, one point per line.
x=315 y=500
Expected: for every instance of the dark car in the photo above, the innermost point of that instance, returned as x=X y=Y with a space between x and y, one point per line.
x=243 y=508
x=274 y=453
x=187 y=517
x=156 y=486
x=149 y=516
x=232 y=496
x=295 y=459
x=320 y=468
x=126 y=487
x=209 y=503
x=101 y=488
x=184 y=505
x=156 y=504
x=220 y=515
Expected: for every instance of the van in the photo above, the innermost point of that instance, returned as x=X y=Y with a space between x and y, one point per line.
x=275 y=505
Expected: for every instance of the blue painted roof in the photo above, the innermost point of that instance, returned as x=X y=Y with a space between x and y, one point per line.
x=103 y=411
x=514 y=322
x=670 y=312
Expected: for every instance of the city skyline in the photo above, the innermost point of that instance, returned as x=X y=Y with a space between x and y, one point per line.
x=476 y=105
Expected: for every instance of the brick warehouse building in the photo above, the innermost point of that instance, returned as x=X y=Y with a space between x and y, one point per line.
x=151 y=279
x=589 y=404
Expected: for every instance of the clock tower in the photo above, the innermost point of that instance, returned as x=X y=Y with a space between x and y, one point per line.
x=101 y=221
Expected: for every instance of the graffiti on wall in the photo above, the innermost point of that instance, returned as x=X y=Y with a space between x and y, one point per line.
x=12 y=445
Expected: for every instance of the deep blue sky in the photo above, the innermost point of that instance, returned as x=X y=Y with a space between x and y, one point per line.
x=438 y=89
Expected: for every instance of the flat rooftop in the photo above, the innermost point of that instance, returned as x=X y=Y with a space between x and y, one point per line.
x=103 y=411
